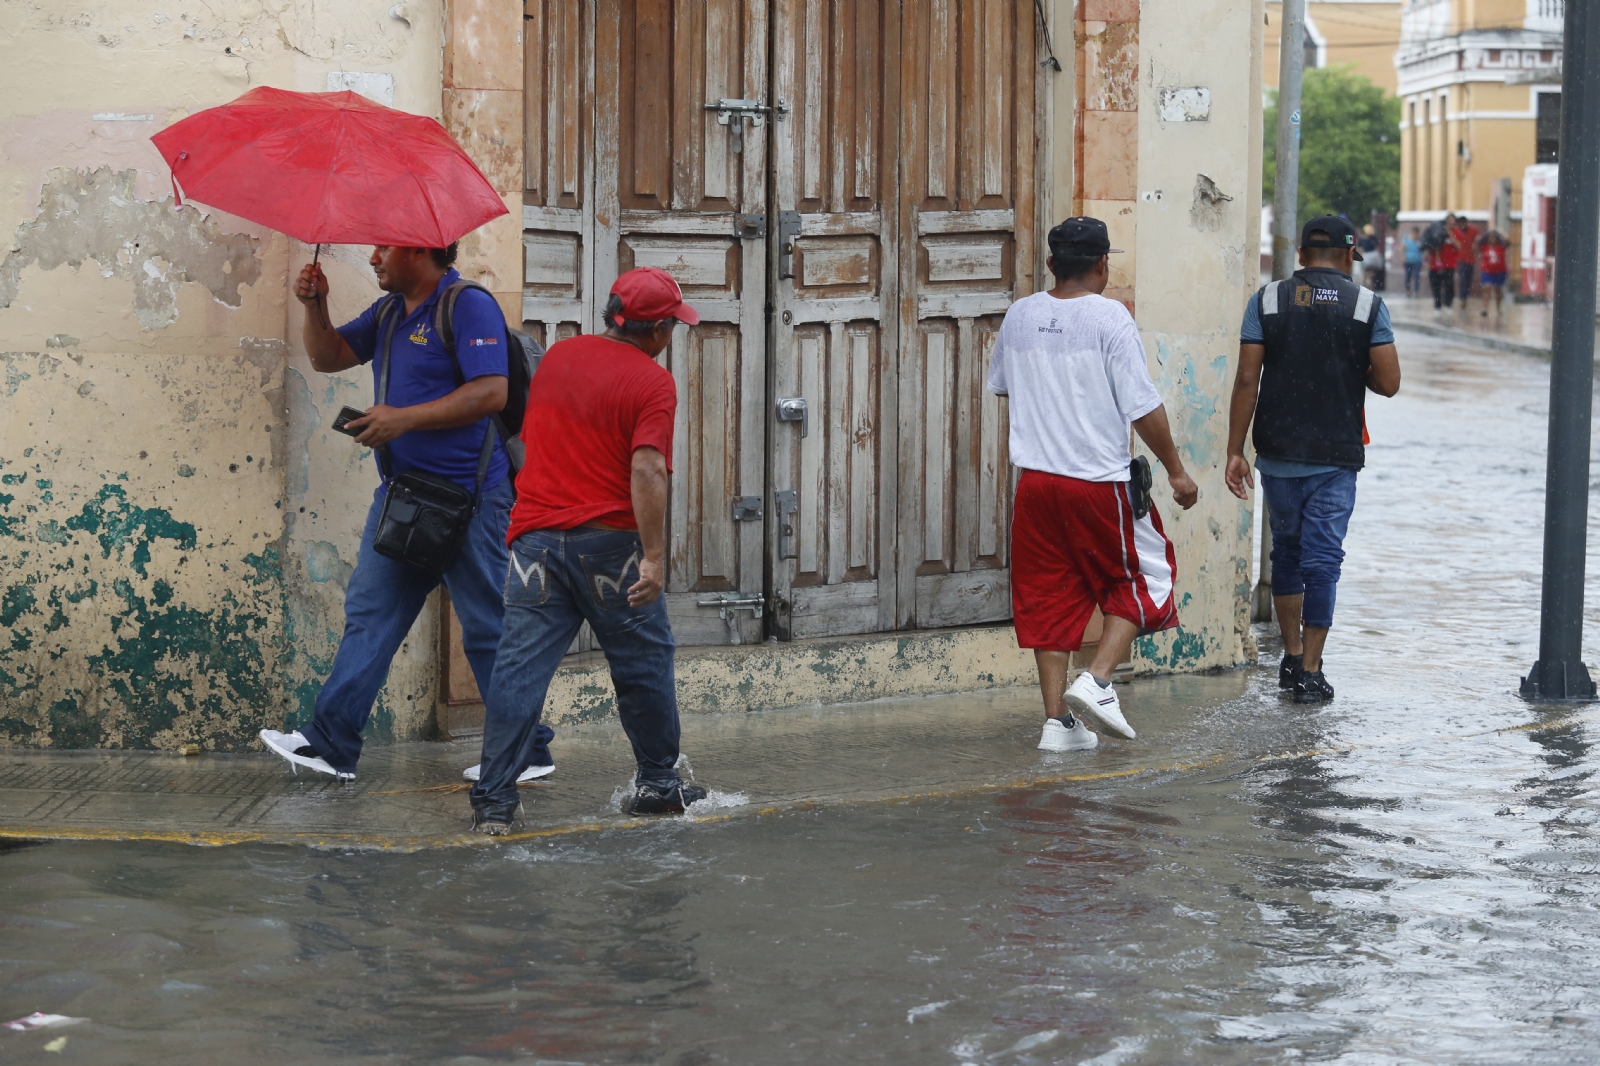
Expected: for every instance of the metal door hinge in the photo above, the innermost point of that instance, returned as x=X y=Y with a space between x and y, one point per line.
x=788 y=503
x=747 y=508
x=750 y=227
x=788 y=230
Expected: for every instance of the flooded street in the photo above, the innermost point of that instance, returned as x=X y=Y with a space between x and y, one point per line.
x=1406 y=875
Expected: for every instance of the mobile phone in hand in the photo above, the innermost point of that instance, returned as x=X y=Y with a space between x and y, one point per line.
x=346 y=416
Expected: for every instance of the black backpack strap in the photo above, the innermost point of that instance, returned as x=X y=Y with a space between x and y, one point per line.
x=444 y=313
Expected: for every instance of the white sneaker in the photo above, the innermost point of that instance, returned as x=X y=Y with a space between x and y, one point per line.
x=1058 y=737
x=1099 y=705
x=286 y=744
x=532 y=773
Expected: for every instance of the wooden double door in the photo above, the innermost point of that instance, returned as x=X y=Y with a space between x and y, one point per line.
x=845 y=191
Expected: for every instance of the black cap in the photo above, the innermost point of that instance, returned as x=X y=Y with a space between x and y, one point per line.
x=1339 y=232
x=1080 y=237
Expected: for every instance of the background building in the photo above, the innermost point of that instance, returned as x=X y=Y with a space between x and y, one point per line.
x=1480 y=86
x=178 y=521
x=1359 y=33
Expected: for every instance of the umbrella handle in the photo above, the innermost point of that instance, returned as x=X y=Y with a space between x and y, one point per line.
x=323 y=311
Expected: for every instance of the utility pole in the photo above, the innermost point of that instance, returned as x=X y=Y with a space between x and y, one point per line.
x=1286 y=188
x=1285 y=207
x=1560 y=674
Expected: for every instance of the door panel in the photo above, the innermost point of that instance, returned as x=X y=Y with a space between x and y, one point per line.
x=834 y=155
x=670 y=194
x=967 y=251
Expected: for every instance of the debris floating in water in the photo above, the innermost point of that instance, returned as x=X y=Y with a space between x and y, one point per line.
x=38 y=1020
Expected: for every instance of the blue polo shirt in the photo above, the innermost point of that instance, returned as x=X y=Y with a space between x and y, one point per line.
x=420 y=369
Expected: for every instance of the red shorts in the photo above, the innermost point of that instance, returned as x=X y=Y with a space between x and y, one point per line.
x=1075 y=545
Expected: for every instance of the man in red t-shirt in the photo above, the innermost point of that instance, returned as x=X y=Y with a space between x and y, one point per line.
x=588 y=544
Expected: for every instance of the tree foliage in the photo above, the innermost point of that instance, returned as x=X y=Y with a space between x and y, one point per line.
x=1349 y=146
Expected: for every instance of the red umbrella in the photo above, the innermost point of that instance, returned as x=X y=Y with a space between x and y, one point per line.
x=329 y=168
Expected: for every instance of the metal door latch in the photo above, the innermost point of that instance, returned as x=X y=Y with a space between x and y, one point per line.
x=733 y=113
x=747 y=508
x=729 y=604
x=795 y=409
x=788 y=503
x=749 y=227
x=788 y=230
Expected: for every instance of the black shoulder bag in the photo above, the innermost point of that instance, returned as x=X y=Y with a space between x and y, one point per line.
x=425 y=517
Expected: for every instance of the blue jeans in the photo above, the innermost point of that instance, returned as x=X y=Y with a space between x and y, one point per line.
x=1310 y=516
x=382 y=600
x=1413 y=278
x=557 y=579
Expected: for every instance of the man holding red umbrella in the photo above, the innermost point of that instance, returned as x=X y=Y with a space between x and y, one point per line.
x=433 y=416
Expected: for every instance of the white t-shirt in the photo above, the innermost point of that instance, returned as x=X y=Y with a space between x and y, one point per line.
x=1075 y=373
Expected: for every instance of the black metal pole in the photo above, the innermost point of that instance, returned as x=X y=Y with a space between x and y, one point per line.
x=1560 y=674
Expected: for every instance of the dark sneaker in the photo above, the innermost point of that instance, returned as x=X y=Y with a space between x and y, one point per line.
x=651 y=799
x=1289 y=670
x=494 y=821
x=1311 y=687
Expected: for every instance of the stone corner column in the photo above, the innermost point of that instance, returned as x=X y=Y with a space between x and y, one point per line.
x=482 y=109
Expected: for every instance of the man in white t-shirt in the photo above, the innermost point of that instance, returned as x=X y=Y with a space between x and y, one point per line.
x=1073 y=369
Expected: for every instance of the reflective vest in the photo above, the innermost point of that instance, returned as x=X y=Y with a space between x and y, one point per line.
x=1317 y=326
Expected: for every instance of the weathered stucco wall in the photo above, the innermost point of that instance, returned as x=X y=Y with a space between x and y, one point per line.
x=1197 y=212
x=176 y=524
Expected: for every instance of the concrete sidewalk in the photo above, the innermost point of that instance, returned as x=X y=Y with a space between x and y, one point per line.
x=1521 y=328
x=411 y=796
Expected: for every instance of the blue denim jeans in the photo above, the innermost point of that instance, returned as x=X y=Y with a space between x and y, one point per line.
x=1310 y=516
x=384 y=597
x=558 y=579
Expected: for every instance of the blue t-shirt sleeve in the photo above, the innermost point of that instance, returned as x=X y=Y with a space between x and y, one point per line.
x=1250 y=332
x=1382 y=332
x=480 y=330
x=361 y=332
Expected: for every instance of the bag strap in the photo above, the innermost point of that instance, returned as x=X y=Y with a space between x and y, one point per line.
x=388 y=320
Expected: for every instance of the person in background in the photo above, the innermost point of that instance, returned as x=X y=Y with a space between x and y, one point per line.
x=1465 y=235
x=1073 y=371
x=1492 y=279
x=1413 y=258
x=1310 y=348
x=1442 y=257
x=1373 y=272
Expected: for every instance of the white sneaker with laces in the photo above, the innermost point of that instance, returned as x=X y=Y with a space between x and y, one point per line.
x=1099 y=705
x=1058 y=737
x=532 y=773
x=287 y=744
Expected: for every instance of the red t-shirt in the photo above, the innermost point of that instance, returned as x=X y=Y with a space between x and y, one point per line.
x=592 y=403
x=1447 y=257
x=1492 y=257
x=1466 y=240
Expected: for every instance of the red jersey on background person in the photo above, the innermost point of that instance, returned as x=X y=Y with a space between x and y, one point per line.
x=588 y=544
x=1492 y=272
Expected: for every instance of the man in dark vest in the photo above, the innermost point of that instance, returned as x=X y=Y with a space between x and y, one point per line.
x=1311 y=347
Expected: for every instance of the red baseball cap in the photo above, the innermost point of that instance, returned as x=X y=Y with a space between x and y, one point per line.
x=649 y=295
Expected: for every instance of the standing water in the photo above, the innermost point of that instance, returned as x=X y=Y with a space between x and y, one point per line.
x=1403 y=876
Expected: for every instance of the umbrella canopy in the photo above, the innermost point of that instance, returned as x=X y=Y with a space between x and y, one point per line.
x=329 y=168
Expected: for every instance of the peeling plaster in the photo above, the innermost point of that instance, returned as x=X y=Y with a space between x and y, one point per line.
x=97 y=216
x=1208 y=213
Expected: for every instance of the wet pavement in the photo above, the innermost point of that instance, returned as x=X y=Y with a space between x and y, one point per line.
x=1404 y=876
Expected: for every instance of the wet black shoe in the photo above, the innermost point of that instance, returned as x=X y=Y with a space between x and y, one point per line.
x=1289 y=670
x=650 y=799
x=1311 y=687
x=494 y=821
